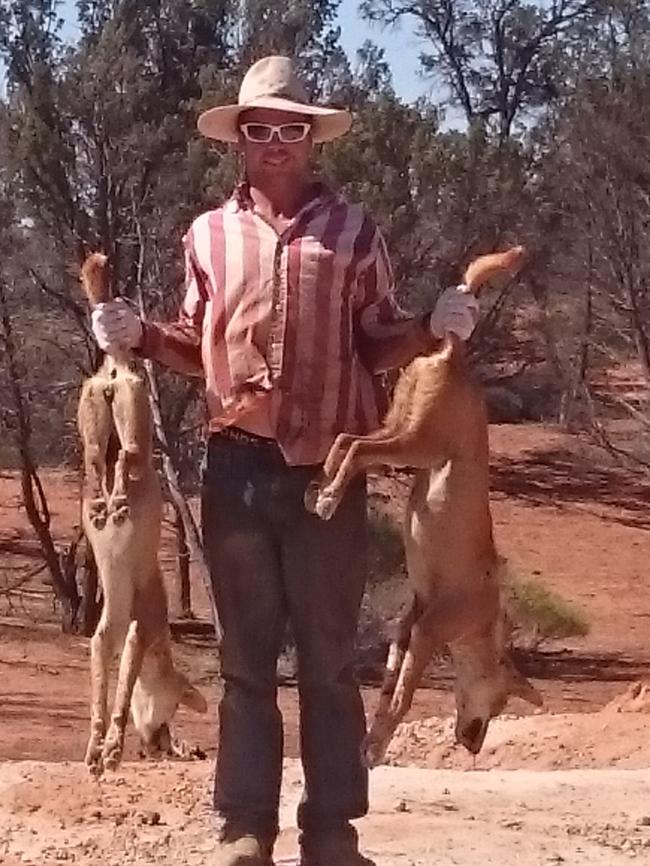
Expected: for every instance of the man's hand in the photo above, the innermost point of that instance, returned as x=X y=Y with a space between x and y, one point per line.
x=115 y=326
x=456 y=310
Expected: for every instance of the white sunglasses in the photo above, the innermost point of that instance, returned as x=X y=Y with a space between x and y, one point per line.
x=287 y=133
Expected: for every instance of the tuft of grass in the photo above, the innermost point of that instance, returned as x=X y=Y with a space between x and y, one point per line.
x=540 y=611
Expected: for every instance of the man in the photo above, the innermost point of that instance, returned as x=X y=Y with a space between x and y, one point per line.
x=288 y=315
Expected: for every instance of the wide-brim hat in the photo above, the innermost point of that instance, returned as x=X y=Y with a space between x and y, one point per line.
x=272 y=83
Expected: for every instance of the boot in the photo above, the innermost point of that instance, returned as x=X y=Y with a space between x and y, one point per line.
x=334 y=846
x=241 y=847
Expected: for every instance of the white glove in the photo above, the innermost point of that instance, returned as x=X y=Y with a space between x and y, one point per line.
x=116 y=326
x=456 y=310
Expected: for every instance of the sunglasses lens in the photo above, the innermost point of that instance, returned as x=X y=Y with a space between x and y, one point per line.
x=293 y=131
x=260 y=132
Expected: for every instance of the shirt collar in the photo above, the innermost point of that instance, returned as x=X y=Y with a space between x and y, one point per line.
x=241 y=199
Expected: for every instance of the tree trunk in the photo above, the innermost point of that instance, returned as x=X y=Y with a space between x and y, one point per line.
x=552 y=352
x=33 y=495
x=68 y=569
x=192 y=534
x=183 y=555
x=568 y=417
x=91 y=599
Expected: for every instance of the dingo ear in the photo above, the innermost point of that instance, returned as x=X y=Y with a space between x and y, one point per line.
x=192 y=697
x=519 y=686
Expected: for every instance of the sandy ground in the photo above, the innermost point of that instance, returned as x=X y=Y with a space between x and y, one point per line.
x=161 y=814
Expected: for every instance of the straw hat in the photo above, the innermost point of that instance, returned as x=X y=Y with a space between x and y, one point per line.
x=272 y=83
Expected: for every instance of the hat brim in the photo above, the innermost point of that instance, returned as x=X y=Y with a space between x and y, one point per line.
x=221 y=122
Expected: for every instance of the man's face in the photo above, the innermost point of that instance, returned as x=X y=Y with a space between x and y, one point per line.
x=289 y=158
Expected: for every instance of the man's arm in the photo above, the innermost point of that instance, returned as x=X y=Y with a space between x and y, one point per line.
x=177 y=345
x=390 y=351
x=387 y=337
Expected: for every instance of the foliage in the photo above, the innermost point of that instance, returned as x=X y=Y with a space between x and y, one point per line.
x=540 y=613
x=537 y=131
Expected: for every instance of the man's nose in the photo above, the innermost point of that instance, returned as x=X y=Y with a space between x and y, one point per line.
x=276 y=142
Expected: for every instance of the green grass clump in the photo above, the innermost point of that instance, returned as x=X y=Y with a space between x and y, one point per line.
x=540 y=611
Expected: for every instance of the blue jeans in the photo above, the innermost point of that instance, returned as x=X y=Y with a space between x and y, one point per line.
x=272 y=562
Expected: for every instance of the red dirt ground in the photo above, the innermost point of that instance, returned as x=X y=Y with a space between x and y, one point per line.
x=562 y=512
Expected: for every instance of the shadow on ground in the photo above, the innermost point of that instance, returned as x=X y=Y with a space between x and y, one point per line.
x=562 y=478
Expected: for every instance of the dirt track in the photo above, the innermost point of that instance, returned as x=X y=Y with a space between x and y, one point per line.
x=481 y=814
x=161 y=814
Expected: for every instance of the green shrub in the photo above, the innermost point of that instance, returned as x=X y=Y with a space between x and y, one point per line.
x=541 y=612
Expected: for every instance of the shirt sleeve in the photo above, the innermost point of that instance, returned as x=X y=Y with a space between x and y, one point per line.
x=177 y=345
x=379 y=316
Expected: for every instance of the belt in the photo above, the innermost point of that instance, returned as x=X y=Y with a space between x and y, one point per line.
x=236 y=434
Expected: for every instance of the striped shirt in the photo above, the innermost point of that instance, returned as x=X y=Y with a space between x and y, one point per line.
x=275 y=322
